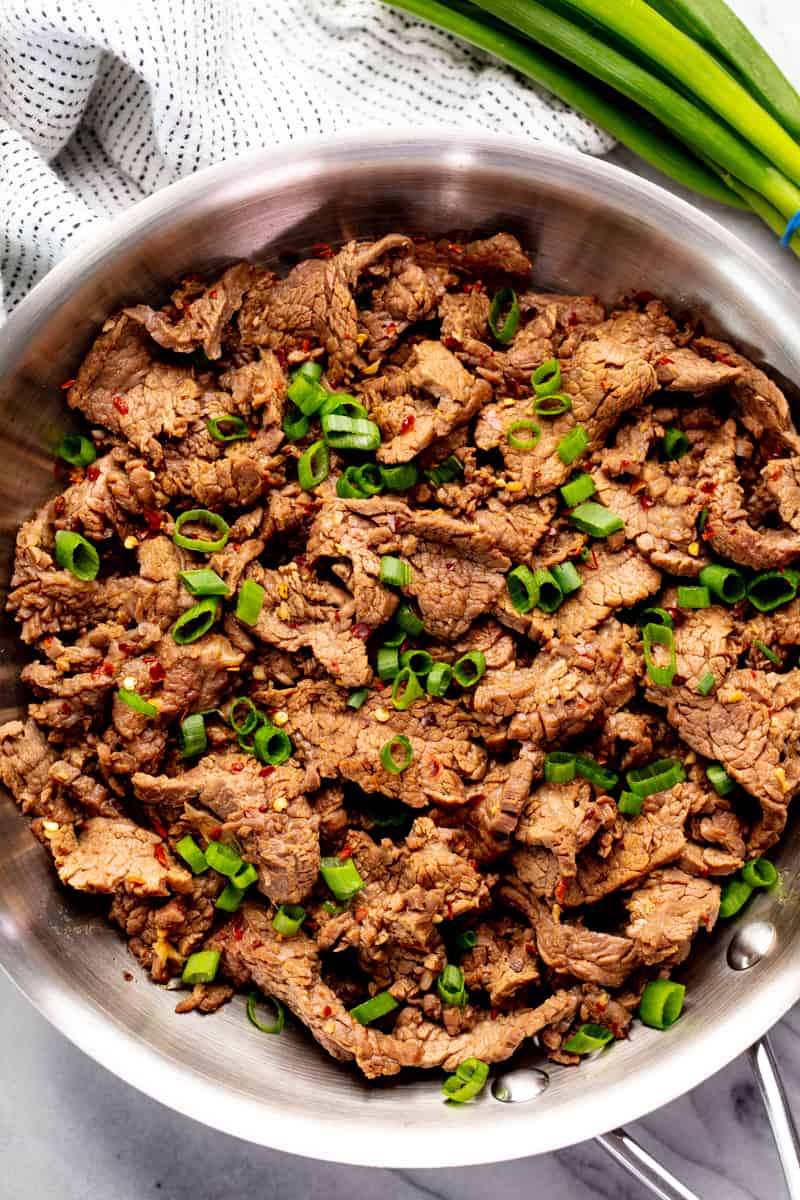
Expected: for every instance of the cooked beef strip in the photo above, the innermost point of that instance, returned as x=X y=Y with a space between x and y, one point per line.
x=114 y=854
x=666 y=912
x=503 y=961
x=782 y=480
x=201 y=321
x=610 y=580
x=603 y=958
x=565 y=818
x=762 y=406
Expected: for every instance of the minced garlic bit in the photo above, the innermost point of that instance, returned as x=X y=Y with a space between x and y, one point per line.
x=50 y=826
x=694 y=549
x=514 y=486
x=283 y=589
x=129 y=683
x=330 y=1027
x=556 y=910
x=509 y=402
x=130 y=542
x=732 y=697
x=372 y=368
x=780 y=775
x=501 y=483
x=259 y=673
x=381 y=715
x=280 y=718
x=361 y=338
x=280 y=804
x=164 y=948
x=282 y=612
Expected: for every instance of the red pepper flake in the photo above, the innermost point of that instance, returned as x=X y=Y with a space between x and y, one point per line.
x=280 y=354
x=321 y=250
x=157 y=672
x=215 y=834
x=614 y=674
x=455 y=248
x=407 y=422
x=647 y=502
x=238 y=931
x=59 y=506
x=664 y=359
x=159 y=828
x=723 y=358
x=435 y=768
x=265 y=772
x=561 y=890
x=573 y=318
x=161 y=854
x=327 y=1010
x=530 y=949
x=126 y=975
x=360 y=914
x=708 y=486
x=450 y=913
x=707 y=533
x=127 y=648
x=212 y=295
x=450 y=342
x=119 y=404
x=494 y=1014
x=237 y=767
x=345 y=852
x=67 y=384
x=391 y=329
x=153 y=518
x=361 y=631
x=592 y=561
x=306 y=346
x=66 y=708
x=92 y=473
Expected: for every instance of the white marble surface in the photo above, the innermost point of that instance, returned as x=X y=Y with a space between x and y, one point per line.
x=71 y=1130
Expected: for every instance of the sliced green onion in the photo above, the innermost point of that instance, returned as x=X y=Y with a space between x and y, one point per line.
x=692 y=596
x=559 y=767
x=394 y=571
x=655 y=777
x=504 y=302
x=726 y=583
x=706 y=683
x=523 y=443
x=342 y=877
x=572 y=445
x=249 y=602
x=567 y=577
x=195 y=622
x=408 y=620
x=419 y=661
x=602 y=777
x=720 y=780
x=272 y=746
x=439 y=679
x=406 y=688
x=523 y=590
x=759 y=873
x=280 y=1017
x=550 y=596
x=450 y=986
x=343 y=405
x=357 y=698
x=249 y=720
x=468 y=1081
x=629 y=804
x=137 y=703
x=203 y=583
x=468 y=669
x=659 y=635
x=77 y=450
x=656 y=616
x=768 y=653
x=587 y=1039
x=201 y=967
x=223 y=858
x=76 y=555
x=348 y=487
x=313 y=466
x=546 y=379
x=309 y=370
x=192 y=735
x=553 y=405
x=661 y=1003
x=370 y=479
x=595 y=519
x=452 y=468
x=388 y=754
x=307 y=394
x=191 y=854
x=388 y=663
x=288 y=919
x=578 y=489
x=245 y=877
x=735 y=895
x=201 y=545
x=227 y=428
x=770 y=589
x=350 y=433
x=465 y=941
x=399 y=478
x=675 y=444
x=295 y=425
x=394 y=638
x=702 y=520
x=230 y=898
x=374 y=1008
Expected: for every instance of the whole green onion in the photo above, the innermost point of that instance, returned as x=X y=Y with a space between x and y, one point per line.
x=578 y=489
x=77 y=450
x=572 y=445
x=468 y=1081
x=468 y=669
x=313 y=466
x=280 y=1017
x=227 y=428
x=726 y=583
x=195 y=621
x=661 y=1003
x=201 y=967
x=288 y=919
x=439 y=679
x=249 y=602
x=202 y=516
x=76 y=555
x=192 y=855
x=504 y=305
x=374 y=1008
x=389 y=751
x=203 y=582
x=587 y=1039
x=342 y=877
x=559 y=767
x=523 y=443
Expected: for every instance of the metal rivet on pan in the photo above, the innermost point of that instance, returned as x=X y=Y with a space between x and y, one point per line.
x=749 y=944
x=515 y=1087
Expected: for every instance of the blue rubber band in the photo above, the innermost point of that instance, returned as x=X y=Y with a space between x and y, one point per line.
x=791 y=228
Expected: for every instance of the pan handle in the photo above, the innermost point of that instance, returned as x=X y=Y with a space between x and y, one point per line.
x=647 y=1171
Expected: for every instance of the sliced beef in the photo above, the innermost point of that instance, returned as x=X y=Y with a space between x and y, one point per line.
x=573 y=950
x=666 y=912
x=161 y=935
x=565 y=817
x=762 y=406
x=258 y=389
x=25 y=762
x=706 y=639
x=199 y=322
x=500 y=253
x=112 y=854
x=610 y=580
x=407 y=291
x=503 y=961
x=782 y=481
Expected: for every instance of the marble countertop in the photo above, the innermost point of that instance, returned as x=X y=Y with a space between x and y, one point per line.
x=72 y=1130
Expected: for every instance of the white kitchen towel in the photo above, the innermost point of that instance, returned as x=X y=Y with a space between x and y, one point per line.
x=103 y=101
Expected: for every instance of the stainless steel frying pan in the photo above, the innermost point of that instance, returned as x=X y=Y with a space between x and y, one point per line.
x=593 y=228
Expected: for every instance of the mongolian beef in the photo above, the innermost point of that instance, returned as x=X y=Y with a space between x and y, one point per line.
x=415 y=649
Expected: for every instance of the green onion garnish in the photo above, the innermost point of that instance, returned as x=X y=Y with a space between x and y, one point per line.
x=419 y=661
x=702 y=521
x=348 y=487
x=192 y=855
x=675 y=444
x=629 y=804
x=452 y=468
x=655 y=777
x=280 y=1017
x=227 y=428
x=77 y=450
x=450 y=986
x=553 y=405
x=400 y=478
x=595 y=519
x=243 y=721
x=465 y=941
x=506 y=305
x=203 y=582
x=230 y=898
x=374 y=1008
x=439 y=679
x=306 y=394
x=342 y=877
x=468 y=1081
x=578 y=489
x=567 y=577
x=357 y=698
x=706 y=683
x=223 y=858
x=523 y=590
x=272 y=746
x=76 y=555
x=195 y=622
x=137 y=703
x=759 y=873
x=369 y=479
x=768 y=653
x=394 y=637
x=249 y=602
x=656 y=616
x=389 y=751
x=408 y=620
x=313 y=466
x=572 y=445
x=587 y=1039
x=288 y=919
x=201 y=967
x=523 y=443
x=661 y=1003
x=406 y=688
x=388 y=663
x=550 y=596
x=295 y=425
x=719 y=779
x=546 y=379
x=394 y=571
x=468 y=669
x=350 y=433
x=245 y=877
x=692 y=596
x=735 y=895
x=201 y=545
x=192 y=735
x=559 y=767
x=726 y=583
x=659 y=635
x=772 y=589
x=602 y=777
x=344 y=405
